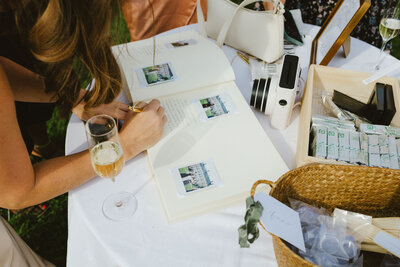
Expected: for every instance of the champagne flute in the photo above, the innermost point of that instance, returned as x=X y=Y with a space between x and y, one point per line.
x=108 y=160
x=389 y=26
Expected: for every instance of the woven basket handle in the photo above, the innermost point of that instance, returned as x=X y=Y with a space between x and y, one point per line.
x=200 y=20
x=254 y=187
x=253 y=191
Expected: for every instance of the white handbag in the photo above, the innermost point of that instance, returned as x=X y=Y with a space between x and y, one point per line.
x=258 y=33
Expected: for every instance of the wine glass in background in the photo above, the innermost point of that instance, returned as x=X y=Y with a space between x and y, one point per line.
x=389 y=26
x=108 y=160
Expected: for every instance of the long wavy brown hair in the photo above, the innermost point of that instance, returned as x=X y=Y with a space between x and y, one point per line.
x=61 y=32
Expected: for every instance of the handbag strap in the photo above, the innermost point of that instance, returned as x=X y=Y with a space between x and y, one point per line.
x=200 y=19
x=278 y=9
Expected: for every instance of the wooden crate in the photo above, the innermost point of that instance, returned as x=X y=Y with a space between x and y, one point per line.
x=346 y=81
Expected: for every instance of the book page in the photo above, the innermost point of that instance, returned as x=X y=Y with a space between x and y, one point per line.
x=183 y=112
x=180 y=113
x=183 y=61
x=213 y=149
x=212 y=152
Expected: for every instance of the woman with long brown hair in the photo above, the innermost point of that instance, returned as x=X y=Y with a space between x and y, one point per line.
x=40 y=41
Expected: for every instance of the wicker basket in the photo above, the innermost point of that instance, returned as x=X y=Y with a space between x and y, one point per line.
x=371 y=191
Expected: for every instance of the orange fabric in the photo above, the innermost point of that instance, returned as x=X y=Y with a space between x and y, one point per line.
x=270 y=6
x=168 y=14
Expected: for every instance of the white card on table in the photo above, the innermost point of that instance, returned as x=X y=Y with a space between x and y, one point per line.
x=281 y=220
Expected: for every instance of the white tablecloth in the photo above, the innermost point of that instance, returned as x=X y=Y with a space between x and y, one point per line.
x=146 y=238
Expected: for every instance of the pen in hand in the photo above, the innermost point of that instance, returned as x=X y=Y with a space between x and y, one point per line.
x=132 y=108
x=135 y=109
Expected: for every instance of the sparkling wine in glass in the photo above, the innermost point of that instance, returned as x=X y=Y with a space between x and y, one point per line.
x=108 y=160
x=389 y=26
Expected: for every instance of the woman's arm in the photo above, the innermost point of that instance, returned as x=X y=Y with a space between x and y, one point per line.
x=22 y=184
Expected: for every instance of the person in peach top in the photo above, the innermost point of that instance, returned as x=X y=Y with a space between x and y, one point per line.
x=167 y=15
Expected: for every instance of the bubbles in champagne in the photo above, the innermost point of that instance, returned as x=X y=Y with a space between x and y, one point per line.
x=389 y=28
x=107 y=159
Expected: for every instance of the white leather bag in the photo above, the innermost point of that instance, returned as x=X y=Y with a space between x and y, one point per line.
x=258 y=33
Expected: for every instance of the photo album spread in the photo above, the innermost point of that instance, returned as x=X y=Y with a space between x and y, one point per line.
x=213 y=149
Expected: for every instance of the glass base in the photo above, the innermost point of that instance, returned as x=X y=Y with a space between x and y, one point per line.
x=370 y=67
x=120 y=206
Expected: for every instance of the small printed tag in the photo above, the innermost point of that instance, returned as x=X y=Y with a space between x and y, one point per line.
x=181 y=43
x=281 y=220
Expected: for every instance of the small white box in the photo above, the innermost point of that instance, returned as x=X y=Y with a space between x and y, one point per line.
x=333 y=144
x=373 y=144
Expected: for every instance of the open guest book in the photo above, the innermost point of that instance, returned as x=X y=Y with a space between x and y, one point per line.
x=213 y=148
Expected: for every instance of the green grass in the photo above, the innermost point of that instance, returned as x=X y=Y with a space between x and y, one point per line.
x=44 y=231
x=396 y=47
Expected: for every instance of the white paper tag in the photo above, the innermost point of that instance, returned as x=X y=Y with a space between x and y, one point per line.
x=388 y=242
x=281 y=220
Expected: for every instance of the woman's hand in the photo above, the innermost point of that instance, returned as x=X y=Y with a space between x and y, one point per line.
x=114 y=109
x=142 y=130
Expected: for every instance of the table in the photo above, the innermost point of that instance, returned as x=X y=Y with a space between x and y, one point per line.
x=146 y=239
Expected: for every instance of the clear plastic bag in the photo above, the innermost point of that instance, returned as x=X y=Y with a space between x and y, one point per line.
x=326 y=238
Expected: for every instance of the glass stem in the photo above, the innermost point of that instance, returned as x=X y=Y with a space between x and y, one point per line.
x=380 y=54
